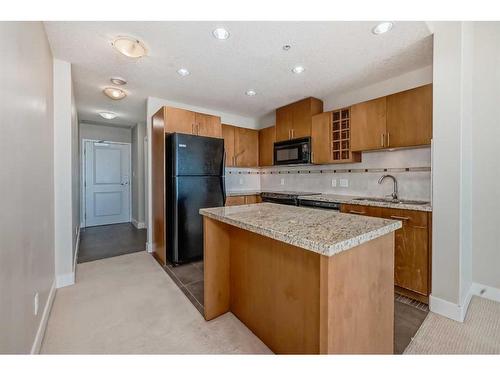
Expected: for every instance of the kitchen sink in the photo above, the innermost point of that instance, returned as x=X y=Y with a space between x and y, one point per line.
x=395 y=201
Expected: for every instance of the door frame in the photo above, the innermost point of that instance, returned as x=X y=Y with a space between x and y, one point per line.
x=83 y=175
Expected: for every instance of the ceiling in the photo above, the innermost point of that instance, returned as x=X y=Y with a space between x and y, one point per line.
x=337 y=56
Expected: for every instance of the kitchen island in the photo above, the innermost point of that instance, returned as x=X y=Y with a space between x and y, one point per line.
x=303 y=280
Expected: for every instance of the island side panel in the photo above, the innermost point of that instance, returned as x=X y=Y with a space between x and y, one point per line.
x=216 y=255
x=357 y=299
x=275 y=291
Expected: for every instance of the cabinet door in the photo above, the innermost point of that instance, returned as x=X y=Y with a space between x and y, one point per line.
x=246 y=147
x=321 y=138
x=301 y=119
x=409 y=117
x=180 y=121
x=228 y=135
x=267 y=137
x=283 y=123
x=208 y=125
x=368 y=125
x=411 y=253
x=235 y=201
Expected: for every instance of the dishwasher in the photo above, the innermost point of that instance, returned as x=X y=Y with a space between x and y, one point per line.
x=319 y=204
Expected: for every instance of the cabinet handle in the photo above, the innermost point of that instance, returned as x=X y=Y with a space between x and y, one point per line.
x=382 y=139
x=388 y=139
x=192 y=129
x=312 y=156
x=292 y=134
x=357 y=212
x=197 y=129
x=404 y=218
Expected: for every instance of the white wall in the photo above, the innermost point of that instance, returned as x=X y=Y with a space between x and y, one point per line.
x=66 y=172
x=26 y=183
x=138 y=175
x=486 y=162
x=105 y=133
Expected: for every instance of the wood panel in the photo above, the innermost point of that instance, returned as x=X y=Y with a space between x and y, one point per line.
x=216 y=252
x=368 y=125
x=301 y=119
x=275 y=292
x=179 y=121
x=235 y=200
x=409 y=117
x=208 y=125
x=321 y=138
x=267 y=137
x=284 y=123
x=246 y=146
x=361 y=210
x=228 y=135
x=357 y=299
x=158 y=184
x=251 y=199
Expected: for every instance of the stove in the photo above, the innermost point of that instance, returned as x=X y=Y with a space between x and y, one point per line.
x=284 y=197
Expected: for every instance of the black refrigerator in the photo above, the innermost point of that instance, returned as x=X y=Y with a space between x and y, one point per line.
x=194 y=174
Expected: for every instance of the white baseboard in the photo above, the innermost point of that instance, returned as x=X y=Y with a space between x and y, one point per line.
x=138 y=224
x=485 y=291
x=37 y=343
x=65 y=280
x=149 y=247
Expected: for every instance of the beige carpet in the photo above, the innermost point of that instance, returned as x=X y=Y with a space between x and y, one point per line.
x=128 y=304
x=478 y=334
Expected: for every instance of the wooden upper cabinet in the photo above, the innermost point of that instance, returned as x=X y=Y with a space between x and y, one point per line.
x=295 y=120
x=321 y=138
x=179 y=120
x=228 y=135
x=368 y=125
x=267 y=136
x=208 y=125
x=409 y=117
x=246 y=147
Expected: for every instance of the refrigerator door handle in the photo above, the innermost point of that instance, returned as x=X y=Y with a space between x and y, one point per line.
x=223 y=178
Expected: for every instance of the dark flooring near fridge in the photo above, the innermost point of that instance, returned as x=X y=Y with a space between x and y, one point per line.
x=407 y=321
x=106 y=241
x=189 y=278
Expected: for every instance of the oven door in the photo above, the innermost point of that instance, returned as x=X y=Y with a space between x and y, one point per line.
x=295 y=151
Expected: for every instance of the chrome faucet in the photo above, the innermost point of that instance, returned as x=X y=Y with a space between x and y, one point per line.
x=394 y=194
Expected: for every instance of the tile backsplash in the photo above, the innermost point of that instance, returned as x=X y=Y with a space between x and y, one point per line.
x=411 y=167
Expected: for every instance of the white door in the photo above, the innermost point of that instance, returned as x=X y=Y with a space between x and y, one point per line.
x=107 y=183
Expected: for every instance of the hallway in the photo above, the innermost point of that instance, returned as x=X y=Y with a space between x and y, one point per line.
x=129 y=305
x=107 y=241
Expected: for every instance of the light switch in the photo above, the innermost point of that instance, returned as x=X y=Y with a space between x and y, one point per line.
x=241 y=181
x=334 y=182
x=282 y=182
x=344 y=182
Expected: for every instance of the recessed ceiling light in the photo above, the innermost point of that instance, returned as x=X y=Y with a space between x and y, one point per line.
x=251 y=92
x=108 y=115
x=220 y=33
x=114 y=93
x=129 y=46
x=183 y=72
x=118 y=81
x=298 y=69
x=382 y=27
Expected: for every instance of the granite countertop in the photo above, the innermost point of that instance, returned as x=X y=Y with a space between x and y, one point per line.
x=348 y=199
x=237 y=193
x=325 y=232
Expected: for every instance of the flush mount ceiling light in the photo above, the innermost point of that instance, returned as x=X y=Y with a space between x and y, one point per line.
x=250 y=92
x=287 y=47
x=118 y=81
x=183 y=72
x=108 y=115
x=298 y=69
x=114 y=93
x=220 y=33
x=129 y=46
x=382 y=28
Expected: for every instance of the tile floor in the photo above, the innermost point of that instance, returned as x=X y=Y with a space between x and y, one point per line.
x=408 y=315
x=107 y=241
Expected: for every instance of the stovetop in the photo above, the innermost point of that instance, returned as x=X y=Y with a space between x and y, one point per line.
x=286 y=194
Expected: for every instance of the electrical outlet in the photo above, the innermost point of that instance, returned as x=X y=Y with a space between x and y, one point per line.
x=282 y=182
x=241 y=181
x=35 y=304
x=344 y=182
x=334 y=182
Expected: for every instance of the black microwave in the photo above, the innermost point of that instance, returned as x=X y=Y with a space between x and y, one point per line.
x=294 y=151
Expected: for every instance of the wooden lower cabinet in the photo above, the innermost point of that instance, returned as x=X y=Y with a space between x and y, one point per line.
x=412 y=256
x=243 y=199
